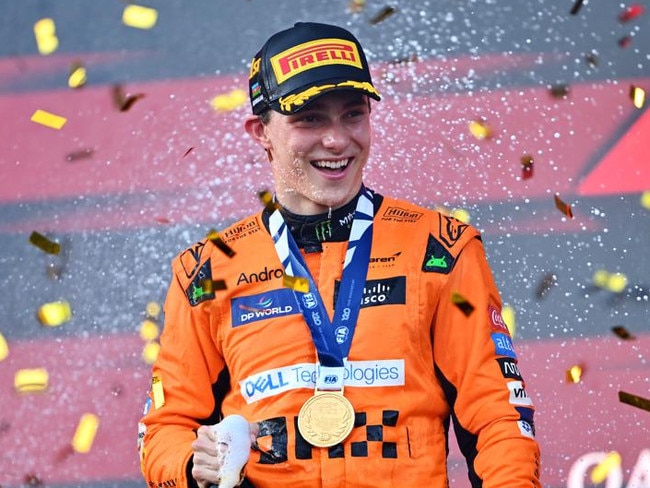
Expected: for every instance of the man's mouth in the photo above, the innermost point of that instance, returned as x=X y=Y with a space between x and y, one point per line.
x=330 y=165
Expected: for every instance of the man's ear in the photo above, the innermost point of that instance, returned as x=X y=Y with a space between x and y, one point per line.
x=257 y=130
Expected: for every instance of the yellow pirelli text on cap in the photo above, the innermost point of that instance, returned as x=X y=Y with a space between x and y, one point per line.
x=48 y=119
x=84 y=436
x=31 y=380
x=313 y=54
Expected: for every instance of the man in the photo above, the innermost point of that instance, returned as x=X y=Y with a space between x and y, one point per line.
x=349 y=328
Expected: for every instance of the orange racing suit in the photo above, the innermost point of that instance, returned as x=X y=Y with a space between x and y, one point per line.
x=429 y=346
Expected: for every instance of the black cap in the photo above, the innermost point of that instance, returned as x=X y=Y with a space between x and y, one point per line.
x=298 y=64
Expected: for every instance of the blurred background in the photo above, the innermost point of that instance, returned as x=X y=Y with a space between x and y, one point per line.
x=121 y=142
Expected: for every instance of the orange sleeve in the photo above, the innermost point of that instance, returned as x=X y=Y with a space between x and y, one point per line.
x=188 y=366
x=477 y=368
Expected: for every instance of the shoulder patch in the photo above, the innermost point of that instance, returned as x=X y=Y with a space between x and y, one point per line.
x=191 y=258
x=196 y=292
x=451 y=229
x=437 y=259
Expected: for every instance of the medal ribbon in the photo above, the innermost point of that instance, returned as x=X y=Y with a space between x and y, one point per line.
x=332 y=352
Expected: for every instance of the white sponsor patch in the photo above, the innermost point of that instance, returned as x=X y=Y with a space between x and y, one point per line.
x=525 y=428
x=518 y=395
x=265 y=384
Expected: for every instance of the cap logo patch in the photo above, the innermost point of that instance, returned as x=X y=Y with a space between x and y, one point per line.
x=314 y=54
x=255 y=67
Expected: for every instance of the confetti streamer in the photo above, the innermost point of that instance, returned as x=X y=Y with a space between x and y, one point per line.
x=563 y=207
x=462 y=304
x=54 y=314
x=45 y=33
x=32 y=480
x=139 y=17
x=616 y=282
x=631 y=13
x=592 y=59
x=634 y=400
x=77 y=78
x=637 y=94
x=356 y=6
x=31 y=380
x=229 y=101
x=600 y=278
x=84 y=436
x=602 y=470
x=576 y=7
x=122 y=101
x=480 y=129
x=382 y=15
x=157 y=392
x=188 y=152
x=80 y=154
x=44 y=244
x=296 y=283
x=548 y=281
x=645 y=200
x=527 y=166
x=214 y=237
x=559 y=91
x=461 y=214
x=149 y=330
x=508 y=316
x=625 y=41
x=48 y=119
x=150 y=352
x=266 y=197
x=153 y=309
x=574 y=374
x=4 y=348
x=622 y=333
x=210 y=286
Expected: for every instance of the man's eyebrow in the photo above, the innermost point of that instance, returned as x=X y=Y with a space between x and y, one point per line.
x=318 y=105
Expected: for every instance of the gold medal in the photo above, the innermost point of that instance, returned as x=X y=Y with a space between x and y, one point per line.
x=326 y=419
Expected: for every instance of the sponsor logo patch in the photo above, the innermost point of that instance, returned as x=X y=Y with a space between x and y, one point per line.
x=191 y=258
x=275 y=303
x=368 y=374
x=496 y=320
x=260 y=276
x=312 y=54
x=526 y=429
x=397 y=214
x=451 y=229
x=437 y=259
x=241 y=230
x=388 y=291
x=196 y=292
x=503 y=345
x=509 y=368
x=518 y=395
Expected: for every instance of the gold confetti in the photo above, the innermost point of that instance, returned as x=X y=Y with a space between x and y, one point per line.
x=77 y=77
x=48 y=119
x=356 y=6
x=214 y=237
x=616 y=282
x=44 y=244
x=122 y=101
x=84 y=436
x=576 y=7
x=297 y=283
x=645 y=200
x=266 y=197
x=153 y=309
x=527 y=166
x=559 y=91
x=229 y=101
x=4 y=348
x=382 y=15
x=546 y=283
x=602 y=470
x=461 y=214
x=54 y=314
x=563 y=207
x=80 y=154
x=139 y=17
x=45 y=33
x=462 y=304
x=574 y=374
x=149 y=330
x=210 y=286
x=622 y=333
x=150 y=352
x=480 y=129
x=508 y=316
x=158 y=392
x=600 y=278
x=31 y=380
x=634 y=400
x=637 y=94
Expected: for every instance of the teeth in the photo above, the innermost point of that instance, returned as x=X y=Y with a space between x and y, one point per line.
x=331 y=164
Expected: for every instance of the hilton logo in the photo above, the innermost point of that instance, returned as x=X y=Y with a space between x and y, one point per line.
x=401 y=215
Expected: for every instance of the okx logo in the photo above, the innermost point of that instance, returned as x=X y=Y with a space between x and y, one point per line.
x=276 y=303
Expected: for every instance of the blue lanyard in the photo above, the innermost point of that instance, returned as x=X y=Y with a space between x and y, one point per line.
x=331 y=339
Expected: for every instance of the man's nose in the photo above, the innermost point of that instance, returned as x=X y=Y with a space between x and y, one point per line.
x=336 y=136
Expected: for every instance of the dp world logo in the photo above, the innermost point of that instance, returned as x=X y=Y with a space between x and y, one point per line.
x=276 y=303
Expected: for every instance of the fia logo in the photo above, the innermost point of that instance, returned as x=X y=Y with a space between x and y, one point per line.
x=330 y=379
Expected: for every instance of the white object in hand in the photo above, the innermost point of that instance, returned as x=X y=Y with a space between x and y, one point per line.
x=233 y=432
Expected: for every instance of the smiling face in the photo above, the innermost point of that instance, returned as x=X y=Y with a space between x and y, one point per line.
x=318 y=154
